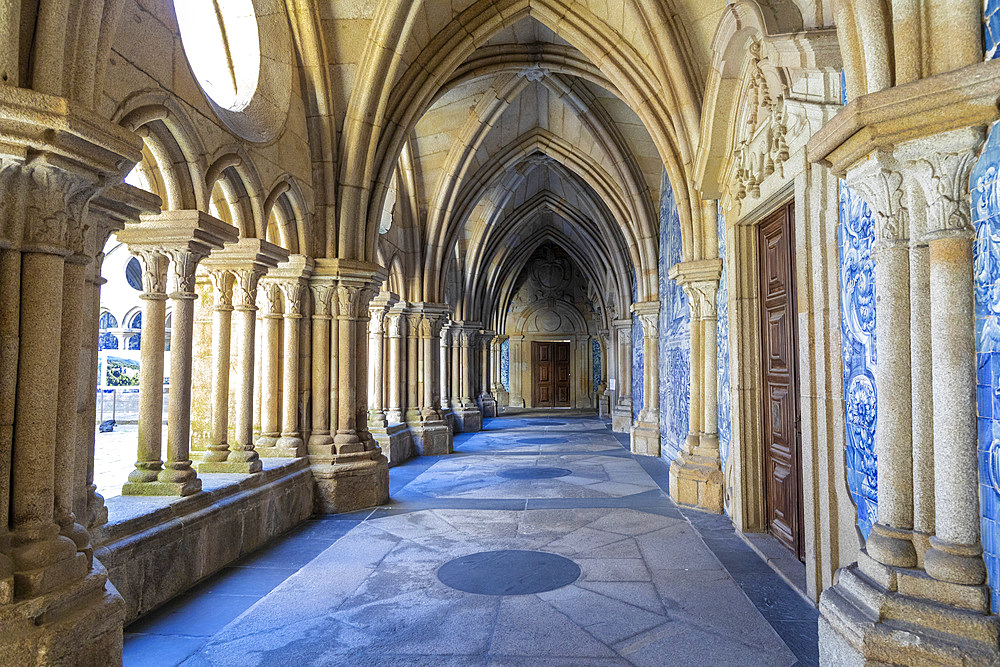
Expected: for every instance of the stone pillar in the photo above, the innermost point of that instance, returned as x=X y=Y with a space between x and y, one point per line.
x=445 y=360
x=646 y=431
x=456 y=368
x=884 y=608
x=74 y=285
x=290 y=279
x=290 y=444
x=248 y=261
x=696 y=474
x=942 y=170
x=354 y=473
x=468 y=417
x=487 y=401
x=142 y=480
x=269 y=305
x=891 y=539
x=376 y=370
x=621 y=414
x=412 y=367
x=430 y=343
x=394 y=327
x=222 y=315
x=322 y=293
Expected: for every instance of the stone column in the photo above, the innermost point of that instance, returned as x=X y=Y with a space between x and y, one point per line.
x=445 y=358
x=456 y=368
x=429 y=326
x=922 y=401
x=269 y=304
x=222 y=311
x=891 y=539
x=621 y=414
x=142 y=480
x=466 y=342
x=353 y=298
x=515 y=363
x=646 y=432
x=177 y=473
x=412 y=368
x=290 y=443
x=10 y=291
x=942 y=170
x=696 y=474
x=486 y=398
x=376 y=371
x=322 y=293
x=248 y=261
x=74 y=285
x=468 y=417
x=395 y=371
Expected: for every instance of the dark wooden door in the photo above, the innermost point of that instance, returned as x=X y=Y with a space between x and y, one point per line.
x=782 y=441
x=550 y=370
x=561 y=368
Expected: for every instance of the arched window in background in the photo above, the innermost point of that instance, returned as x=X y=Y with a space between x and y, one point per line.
x=107 y=341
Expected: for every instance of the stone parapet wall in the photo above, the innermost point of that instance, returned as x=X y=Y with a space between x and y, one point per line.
x=157 y=548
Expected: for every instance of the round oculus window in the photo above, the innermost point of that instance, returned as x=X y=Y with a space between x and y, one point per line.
x=222 y=44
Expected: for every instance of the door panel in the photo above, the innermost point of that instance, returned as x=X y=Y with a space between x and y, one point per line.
x=780 y=410
x=551 y=373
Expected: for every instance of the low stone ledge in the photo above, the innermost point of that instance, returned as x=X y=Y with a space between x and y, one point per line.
x=155 y=548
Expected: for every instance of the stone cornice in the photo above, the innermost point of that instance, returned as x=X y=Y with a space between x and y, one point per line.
x=350 y=269
x=191 y=230
x=54 y=130
x=296 y=267
x=702 y=270
x=247 y=253
x=966 y=97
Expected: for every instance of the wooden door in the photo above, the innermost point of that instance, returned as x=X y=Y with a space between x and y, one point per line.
x=543 y=373
x=780 y=410
x=550 y=370
x=561 y=366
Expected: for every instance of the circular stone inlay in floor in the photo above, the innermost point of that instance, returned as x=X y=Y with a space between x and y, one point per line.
x=542 y=441
x=509 y=572
x=534 y=473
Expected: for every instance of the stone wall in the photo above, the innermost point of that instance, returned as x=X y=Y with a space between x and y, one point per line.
x=157 y=548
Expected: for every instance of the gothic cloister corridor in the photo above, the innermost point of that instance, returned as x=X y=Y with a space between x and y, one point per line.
x=366 y=582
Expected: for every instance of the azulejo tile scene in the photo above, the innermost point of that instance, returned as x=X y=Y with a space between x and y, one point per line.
x=470 y=565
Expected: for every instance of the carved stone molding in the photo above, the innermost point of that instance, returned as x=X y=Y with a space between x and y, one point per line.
x=880 y=181
x=353 y=300
x=154 y=271
x=394 y=325
x=292 y=291
x=941 y=167
x=322 y=294
x=269 y=298
x=54 y=220
x=184 y=265
x=222 y=288
x=245 y=288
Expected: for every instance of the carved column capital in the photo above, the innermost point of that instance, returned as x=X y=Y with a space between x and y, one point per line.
x=55 y=202
x=184 y=265
x=880 y=181
x=222 y=288
x=269 y=298
x=377 y=321
x=394 y=325
x=353 y=300
x=291 y=290
x=154 y=272
x=245 y=288
x=941 y=166
x=322 y=294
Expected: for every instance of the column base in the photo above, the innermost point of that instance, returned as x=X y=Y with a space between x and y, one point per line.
x=97 y=513
x=265 y=441
x=287 y=447
x=604 y=407
x=468 y=420
x=350 y=482
x=621 y=419
x=158 y=488
x=697 y=482
x=237 y=467
x=78 y=624
x=320 y=439
x=431 y=438
x=395 y=442
x=488 y=406
x=876 y=614
x=646 y=439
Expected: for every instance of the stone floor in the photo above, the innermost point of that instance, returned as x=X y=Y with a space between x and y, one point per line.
x=655 y=586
